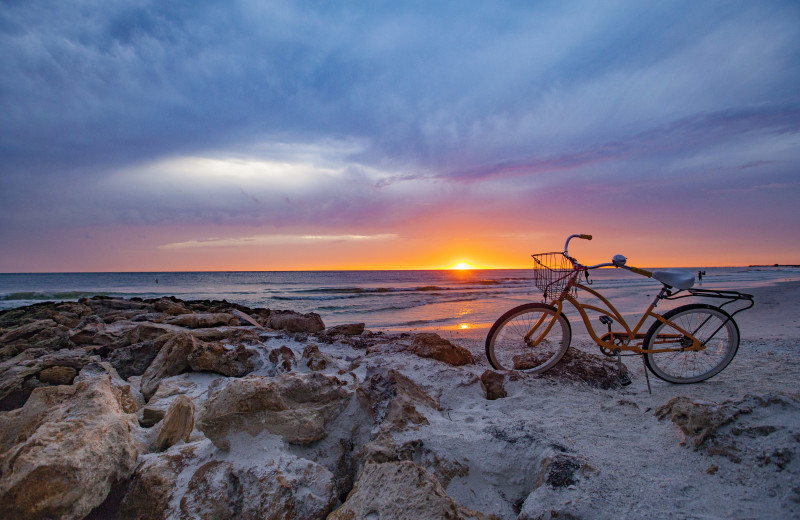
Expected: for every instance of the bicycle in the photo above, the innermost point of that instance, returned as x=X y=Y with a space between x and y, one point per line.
x=688 y=344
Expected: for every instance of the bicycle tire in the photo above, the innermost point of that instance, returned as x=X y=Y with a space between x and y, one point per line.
x=712 y=326
x=507 y=349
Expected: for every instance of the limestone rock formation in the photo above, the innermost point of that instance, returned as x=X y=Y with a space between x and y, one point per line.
x=204 y=320
x=591 y=369
x=492 y=383
x=431 y=345
x=398 y=490
x=393 y=399
x=348 y=329
x=178 y=423
x=740 y=429
x=170 y=360
x=291 y=321
x=296 y=407
x=230 y=360
x=64 y=449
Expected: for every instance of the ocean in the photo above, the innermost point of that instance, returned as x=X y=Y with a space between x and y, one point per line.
x=465 y=301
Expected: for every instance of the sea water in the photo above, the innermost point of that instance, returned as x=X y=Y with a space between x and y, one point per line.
x=383 y=300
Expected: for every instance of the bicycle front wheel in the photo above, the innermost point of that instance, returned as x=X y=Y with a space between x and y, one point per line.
x=713 y=327
x=510 y=343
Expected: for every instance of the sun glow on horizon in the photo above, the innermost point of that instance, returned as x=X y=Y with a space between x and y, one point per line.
x=463 y=266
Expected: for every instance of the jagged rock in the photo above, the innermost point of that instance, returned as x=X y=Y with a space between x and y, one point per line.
x=282 y=489
x=128 y=333
x=727 y=428
x=228 y=360
x=16 y=374
x=274 y=488
x=178 y=423
x=315 y=360
x=349 y=329
x=91 y=331
x=37 y=334
x=58 y=375
x=400 y=491
x=431 y=345
x=230 y=335
x=492 y=383
x=171 y=360
x=153 y=483
x=170 y=307
x=392 y=399
x=103 y=305
x=282 y=358
x=591 y=369
x=291 y=321
x=26 y=331
x=296 y=407
x=63 y=450
x=205 y=320
x=168 y=390
x=134 y=359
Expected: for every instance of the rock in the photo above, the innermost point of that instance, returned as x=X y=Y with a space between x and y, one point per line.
x=91 y=331
x=151 y=416
x=282 y=489
x=58 y=375
x=102 y=305
x=232 y=335
x=297 y=407
x=63 y=450
x=274 y=488
x=38 y=334
x=392 y=399
x=134 y=359
x=291 y=321
x=171 y=360
x=205 y=320
x=170 y=307
x=492 y=383
x=178 y=423
x=228 y=360
x=350 y=329
x=755 y=427
x=315 y=360
x=26 y=331
x=593 y=370
x=16 y=374
x=431 y=345
x=397 y=490
x=282 y=358
x=246 y=318
x=154 y=483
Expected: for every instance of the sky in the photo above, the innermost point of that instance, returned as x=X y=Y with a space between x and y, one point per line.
x=270 y=135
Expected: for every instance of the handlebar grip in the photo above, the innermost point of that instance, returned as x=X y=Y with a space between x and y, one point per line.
x=585 y=237
x=643 y=272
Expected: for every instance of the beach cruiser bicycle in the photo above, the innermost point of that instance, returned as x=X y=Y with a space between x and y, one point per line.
x=688 y=344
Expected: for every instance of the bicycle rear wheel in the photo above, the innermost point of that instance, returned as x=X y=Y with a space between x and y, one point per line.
x=712 y=326
x=509 y=345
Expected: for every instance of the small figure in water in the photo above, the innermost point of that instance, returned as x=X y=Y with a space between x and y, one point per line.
x=699 y=276
x=156 y=281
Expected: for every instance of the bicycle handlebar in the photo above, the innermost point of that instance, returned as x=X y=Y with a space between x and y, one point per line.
x=582 y=236
x=643 y=272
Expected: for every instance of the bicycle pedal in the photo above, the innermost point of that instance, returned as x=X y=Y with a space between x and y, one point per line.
x=624 y=380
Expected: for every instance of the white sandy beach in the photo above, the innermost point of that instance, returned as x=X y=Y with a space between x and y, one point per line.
x=645 y=469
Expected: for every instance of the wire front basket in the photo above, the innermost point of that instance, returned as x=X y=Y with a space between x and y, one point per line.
x=555 y=275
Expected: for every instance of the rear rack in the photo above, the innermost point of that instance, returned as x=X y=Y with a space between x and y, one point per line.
x=731 y=296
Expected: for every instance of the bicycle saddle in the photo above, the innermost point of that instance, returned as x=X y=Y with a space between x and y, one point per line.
x=677 y=278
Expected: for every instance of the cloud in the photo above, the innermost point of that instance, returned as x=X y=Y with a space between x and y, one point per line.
x=339 y=119
x=273 y=240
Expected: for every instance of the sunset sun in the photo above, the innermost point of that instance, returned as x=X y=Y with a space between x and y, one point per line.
x=461 y=266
